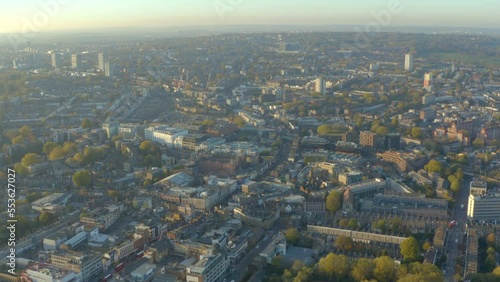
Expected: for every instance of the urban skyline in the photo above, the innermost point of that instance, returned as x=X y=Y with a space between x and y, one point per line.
x=52 y=15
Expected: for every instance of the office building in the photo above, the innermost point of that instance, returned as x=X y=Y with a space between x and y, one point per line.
x=478 y=187
x=409 y=62
x=392 y=141
x=76 y=61
x=486 y=207
x=165 y=135
x=367 y=139
x=320 y=85
x=56 y=60
x=208 y=269
x=102 y=59
x=109 y=69
x=88 y=265
x=427 y=79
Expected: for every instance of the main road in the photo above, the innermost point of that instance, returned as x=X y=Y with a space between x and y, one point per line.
x=455 y=235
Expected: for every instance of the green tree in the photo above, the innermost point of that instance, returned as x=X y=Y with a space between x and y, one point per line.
x=48 y=147
x=208 y=122
x=86 y=123
x=410 y=249
x=30 y=159
x=33 y=196
x=416 y=133
x=82 y=178
x=385 y=269
x=363 y=269
x=292 y=236
x=333 y=203
x=353 y=223
x=46 y=218
x=344 y=243
x=478 y=143
x=433 y=166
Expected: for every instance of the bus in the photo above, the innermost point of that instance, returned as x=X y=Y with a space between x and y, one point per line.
x=107 y=278
x=119 y=267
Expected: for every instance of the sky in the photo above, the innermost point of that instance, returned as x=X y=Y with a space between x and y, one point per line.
x=51 y=15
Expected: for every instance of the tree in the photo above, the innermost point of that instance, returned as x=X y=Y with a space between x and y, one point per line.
x=292 y=236
x=490 y=240
x=363 y=269
x=343 y=222
x=46 y=218
x=86 y=123
x=410 y=249
x=57 y=153
x=395 y=122
x=25 y=131
x=478 y=143
x=385 y=269
x=433 y=166
x=33 y=196
x=344 y=243
x=48 y=147
x=426 y=246
x=239 y=121
x=382 y=130
x=353 y=223
x=333 y=201
x=497 y=271
x=416 y=132
x=17 y=140
x=82 y=178
x=30 y=159
x=21 y=169
x=208 y=122
x=69 y=148
x=146 y=146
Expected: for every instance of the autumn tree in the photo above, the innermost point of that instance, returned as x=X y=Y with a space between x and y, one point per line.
x=333 y=203
x=410 y=249
x=30 y=159
x=25 y=131
x=433 y=166
x=86 y=123
x=385 y=269
x=344 y=243
x=416 y=133
x=292 y=236
x=48 y=147
x=363 y=269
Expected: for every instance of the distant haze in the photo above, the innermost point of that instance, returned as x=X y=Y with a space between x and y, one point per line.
x=375 y=15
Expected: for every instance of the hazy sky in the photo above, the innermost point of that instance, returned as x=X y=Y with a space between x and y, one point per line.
x=16 y=16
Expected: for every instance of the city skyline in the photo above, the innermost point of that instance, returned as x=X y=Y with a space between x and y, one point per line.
x=66 y=15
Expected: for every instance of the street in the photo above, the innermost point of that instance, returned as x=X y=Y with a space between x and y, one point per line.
x=241 y=267
x=454 y=237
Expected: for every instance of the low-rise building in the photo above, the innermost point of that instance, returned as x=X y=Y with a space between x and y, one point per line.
x=208 y=269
